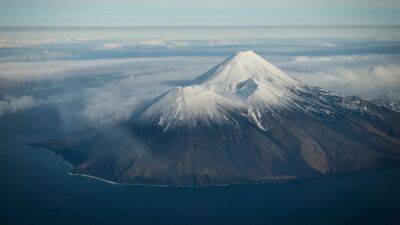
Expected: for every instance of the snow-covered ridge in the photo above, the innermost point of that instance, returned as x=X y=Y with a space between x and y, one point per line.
x=244 y=82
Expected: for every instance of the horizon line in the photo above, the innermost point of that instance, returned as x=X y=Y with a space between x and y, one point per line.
x=200 y=26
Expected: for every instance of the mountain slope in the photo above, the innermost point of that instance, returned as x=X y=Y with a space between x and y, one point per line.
x=244 y=121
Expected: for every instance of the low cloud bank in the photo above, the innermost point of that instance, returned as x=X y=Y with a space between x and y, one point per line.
x=362 y=75
x=12 y=104
x=367 y=82
x=116 y=100
x=106 y=92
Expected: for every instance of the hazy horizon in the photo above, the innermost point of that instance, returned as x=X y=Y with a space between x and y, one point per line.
x=198 y=13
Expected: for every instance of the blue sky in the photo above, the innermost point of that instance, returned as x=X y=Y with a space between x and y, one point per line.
x=197 y=13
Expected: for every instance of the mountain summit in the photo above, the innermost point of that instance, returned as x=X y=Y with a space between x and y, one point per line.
x=244 y=121
x=241 y=67
x=243 y=81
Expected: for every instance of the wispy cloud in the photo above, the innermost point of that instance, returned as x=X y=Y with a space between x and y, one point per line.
x=335 y=58
x=19 y=72
x=101 y=91
x=107 y=91
x=12 y=104
x=115 y=101
x=366 y=75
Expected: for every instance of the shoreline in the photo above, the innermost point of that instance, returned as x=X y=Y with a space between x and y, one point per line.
x=204 y=186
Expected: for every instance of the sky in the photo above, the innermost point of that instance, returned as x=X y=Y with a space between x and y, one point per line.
x=198 y=13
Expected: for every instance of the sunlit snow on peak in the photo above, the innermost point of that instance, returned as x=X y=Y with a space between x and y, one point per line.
x=244 y=81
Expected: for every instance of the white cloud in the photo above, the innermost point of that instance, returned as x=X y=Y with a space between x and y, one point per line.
x=154 y=43
x=109 y=108
x=113 y=96
x=329 y=45
x=336 y=58
x=35 y=56
x=367 y=81
x=115 y=101
x=13 y=104
x=9 y=43
x=109 y=46
x=366 y=75
x=19 y=72
x=111 y=89
x=141 y=44
x=103 y=91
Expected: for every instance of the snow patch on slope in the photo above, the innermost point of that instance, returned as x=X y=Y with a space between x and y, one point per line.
x=187 y=106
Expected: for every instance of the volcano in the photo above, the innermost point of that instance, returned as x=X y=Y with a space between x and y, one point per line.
x=244 y=121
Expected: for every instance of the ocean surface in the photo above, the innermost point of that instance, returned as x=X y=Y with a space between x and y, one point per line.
x=58 y=80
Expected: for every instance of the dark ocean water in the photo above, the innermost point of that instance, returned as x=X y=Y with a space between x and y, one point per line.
x=35 y=188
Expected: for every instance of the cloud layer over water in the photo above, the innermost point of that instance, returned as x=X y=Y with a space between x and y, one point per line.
x=10 y=104
x=103 y=81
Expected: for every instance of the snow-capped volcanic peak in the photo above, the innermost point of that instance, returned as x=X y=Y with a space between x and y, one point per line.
x=244 y=80
x=251 y=78
x=242 y=66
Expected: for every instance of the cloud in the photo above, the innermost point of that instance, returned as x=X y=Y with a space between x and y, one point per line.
x=159 y=44
x=107 y=91
x=9 y=43
x=20 y=72
x=108 y=46
x=335 y=58
x=368 y=81
x=116 y=100
x=329 y=45
x=58 y=70
x=36 y=56
x=12 y=104
x=141 y=44
x=101 y=92
x=365 y=75
x=168 y=44
x=109 y=108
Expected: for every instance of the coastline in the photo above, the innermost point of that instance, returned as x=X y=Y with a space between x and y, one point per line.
x=204 y=186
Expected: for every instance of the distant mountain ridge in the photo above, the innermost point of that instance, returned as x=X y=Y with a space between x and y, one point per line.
x=244 y=121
